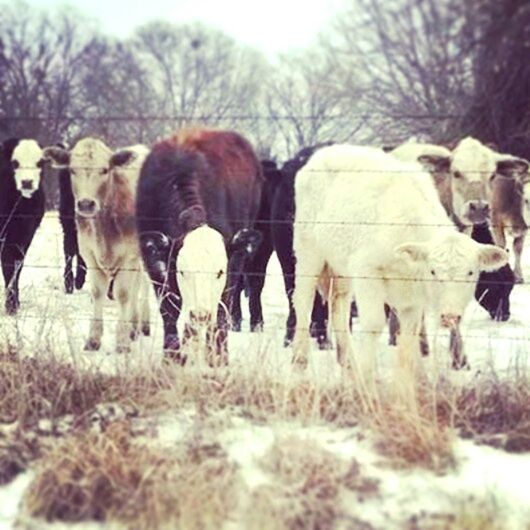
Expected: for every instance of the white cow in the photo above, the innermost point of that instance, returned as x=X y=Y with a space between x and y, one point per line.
x=104 y=187
x=376 y=227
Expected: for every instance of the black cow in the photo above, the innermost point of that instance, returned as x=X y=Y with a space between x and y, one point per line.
x=199 y=176
x=70 y=243
x=275 y=222
x=493 y=288
x=22 y=206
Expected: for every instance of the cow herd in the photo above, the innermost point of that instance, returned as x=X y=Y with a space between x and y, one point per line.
x=389 y=234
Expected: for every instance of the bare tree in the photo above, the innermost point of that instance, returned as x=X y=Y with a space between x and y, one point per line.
x=305 y=106
x=408 y=61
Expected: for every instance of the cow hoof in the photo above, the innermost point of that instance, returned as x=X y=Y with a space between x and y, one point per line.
x=236 y=326
x=134 y=334
x=424 y=349
x=79 y=282
x=69 y=288
x=461 y=364
x=519 y=279
x=256 y=328
x=92 y=345
x=146 y=329
x=175 y=357
x=324 y=343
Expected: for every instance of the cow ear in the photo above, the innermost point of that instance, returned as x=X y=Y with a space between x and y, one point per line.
x=246 y=240
x=192 y=217
x=122 y=158
x=60 y=158
x=412 y=252
x=512 y=167
x=491 y=257
x=8 y=147
x=435 y=163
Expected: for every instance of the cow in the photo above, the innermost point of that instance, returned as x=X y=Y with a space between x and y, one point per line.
x=22 y=205
x=198 y=177
x=70 y=242
x=493 y=288
x=477 y=184
x=256 y=266
x=373 y=226
x=104 y=186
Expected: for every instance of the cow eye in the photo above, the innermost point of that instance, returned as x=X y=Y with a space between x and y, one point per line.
x=219 y=274
x=72 y=172
x=492 y=176
x=40 y=163
x=104 y=171
x=433 y=273
x=181 y=273
x=458 y=175
x=470 y=273
x=15 y=164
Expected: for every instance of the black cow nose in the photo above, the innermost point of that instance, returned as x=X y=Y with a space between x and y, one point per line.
x=86 y=205
x=27 y=184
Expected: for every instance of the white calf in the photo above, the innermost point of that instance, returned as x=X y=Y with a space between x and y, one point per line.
x=375 y=225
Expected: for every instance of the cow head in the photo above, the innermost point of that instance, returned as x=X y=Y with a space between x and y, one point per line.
x=450 y=264
x=202 y=267
x=471 y=168
x=25 y=157
x=91 y=162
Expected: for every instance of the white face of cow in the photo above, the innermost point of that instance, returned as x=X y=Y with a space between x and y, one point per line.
x=450 y=265
x=27 y=163
x=473 y=167
x=89 y=169
x=201 y=273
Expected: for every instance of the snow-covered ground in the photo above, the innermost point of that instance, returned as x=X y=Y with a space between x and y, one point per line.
x=50 y=320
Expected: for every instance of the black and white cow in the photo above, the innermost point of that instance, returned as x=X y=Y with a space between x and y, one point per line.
x=22 y=206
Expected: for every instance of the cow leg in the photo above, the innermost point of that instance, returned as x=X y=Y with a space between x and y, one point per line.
x=370 y=298
x=80 y=273
x=237 y=316
x=456 y=348
x=145 y=316
x=256 y=280
x=393 y=327
x=68 y=274
x=319 y=322
x=498 y=232
x=518 y=244
x=126 y=289
x=12 y=261
x=308 y=270
x=408 y=343
x=340 y=317
x=98 y=289
x=287 y=264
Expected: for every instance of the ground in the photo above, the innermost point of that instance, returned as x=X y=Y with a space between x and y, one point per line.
x=406 y=497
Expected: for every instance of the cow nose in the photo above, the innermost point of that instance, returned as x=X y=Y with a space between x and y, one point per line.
x=450 y=320
x=478 y=211
x=86 y=205
x=27 y=184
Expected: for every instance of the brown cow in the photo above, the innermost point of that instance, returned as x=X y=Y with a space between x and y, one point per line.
x=197 y=177
x=104 y=185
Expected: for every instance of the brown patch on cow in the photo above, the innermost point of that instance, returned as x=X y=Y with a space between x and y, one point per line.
x=507 y=207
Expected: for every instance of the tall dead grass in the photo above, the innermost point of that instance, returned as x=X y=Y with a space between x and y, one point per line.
x=306 y=488
x=110 y=477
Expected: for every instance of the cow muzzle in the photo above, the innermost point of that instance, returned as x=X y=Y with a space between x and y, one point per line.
x=450 y=321
x=87 y=207
x=477 y=211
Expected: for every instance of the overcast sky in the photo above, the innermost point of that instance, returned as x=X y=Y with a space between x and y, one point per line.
x=270 y=25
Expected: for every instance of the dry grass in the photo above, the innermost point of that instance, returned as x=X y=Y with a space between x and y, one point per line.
x=17 y=450
x=108 y=477
x=471 y=513
x=306 y=487
x=497 y=411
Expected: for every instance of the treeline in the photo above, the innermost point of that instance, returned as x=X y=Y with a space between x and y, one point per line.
x=380 y=73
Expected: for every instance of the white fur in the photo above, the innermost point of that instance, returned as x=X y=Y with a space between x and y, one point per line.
x=201 y=272
x=27 y=153
x=376 y=225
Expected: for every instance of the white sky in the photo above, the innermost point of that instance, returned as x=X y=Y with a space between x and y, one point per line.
x=273 y=26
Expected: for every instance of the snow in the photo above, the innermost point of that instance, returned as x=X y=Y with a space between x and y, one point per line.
x=50 y=320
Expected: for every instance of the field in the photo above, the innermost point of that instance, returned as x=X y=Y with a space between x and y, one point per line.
x=127 y=441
